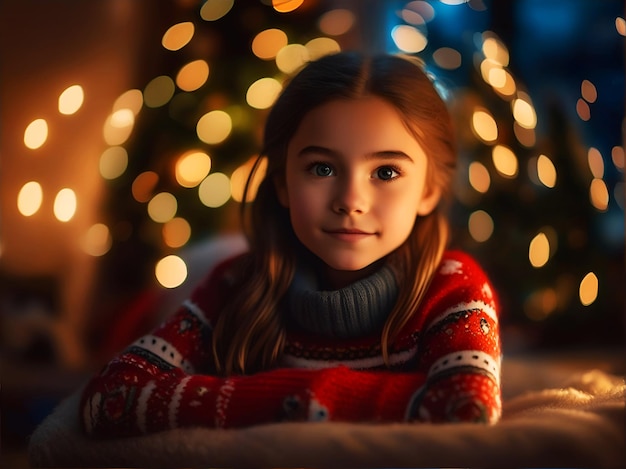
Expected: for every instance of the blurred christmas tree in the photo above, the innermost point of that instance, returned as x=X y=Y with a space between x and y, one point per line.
x=524 y=175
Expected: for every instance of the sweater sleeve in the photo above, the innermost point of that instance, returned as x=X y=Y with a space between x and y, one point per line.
x=460 y=350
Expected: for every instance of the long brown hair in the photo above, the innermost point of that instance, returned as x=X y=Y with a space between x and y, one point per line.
x=250 y=334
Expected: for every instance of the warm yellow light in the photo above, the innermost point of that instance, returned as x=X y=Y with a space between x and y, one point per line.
x=588 y=290
x=524 y=113
x=65 y=205
x=162 y=207
x=480 y=226
x=29 y=198
x=97 y=241
x=131 y=99
x=447 y=58
x=213 y=10
x=118 y=127
x=214 y=191
x=546 y=171
x=171 y=271
x=214 y=127
x=286 y=6
x=321 y=46
x=599 y=195
x=192 y=167
x=71 y=100
x=484 y=126
x=495 y=50
x=292 y=57
x=36 y=134
x=539 y=250
x=262 y=93
x=113 y=162
x=193 y=75
x=267 y=43
x=596 y=162
x=505 y=161
x=143 y=186
x=158 y=91
x=479 y=177
x=240 y=176
x=178 y=36
x=336 y=22
x=409 y=39
x=176 y=232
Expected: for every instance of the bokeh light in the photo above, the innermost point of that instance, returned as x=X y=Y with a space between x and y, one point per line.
x=158 y=91
x=213 y=10
x=447 y=58
x=143 y=186
x=583 y=110
x=171 y=271
x=480 y=226
x=192 y=167
x=524 y=113
x=588 y=91
x=118 y=127
x=588 y=290
x=267 y=43
x=286 y=6
x=36 y=134
x=71 y=100
x=29 y=198
x=418 y=12
x=113 y=162
x=178 y=36
x=262 y=93
x=214 y=127
x=596 y=162
x=539 y=250
x=240 y=176
x=97 y=241
x=409 y=39
x=484 y=125
x=479 y=177
x=321 y=46
x=546 y=171
x=292 y=57
x=176 y=232
x=193 y=75
x=214 y=191
x=617 y=156
x=505 y=161
x=162 y=207
x=336 y=22
x=131 y=99
x=599 y=195
x=65 y=204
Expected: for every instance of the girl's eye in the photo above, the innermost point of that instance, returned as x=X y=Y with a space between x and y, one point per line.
x=386 y=173
x=321 y=170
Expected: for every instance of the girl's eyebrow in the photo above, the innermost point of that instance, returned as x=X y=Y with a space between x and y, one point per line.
x=384 y=154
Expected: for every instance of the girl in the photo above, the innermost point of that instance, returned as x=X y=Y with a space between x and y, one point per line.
x=347 y=306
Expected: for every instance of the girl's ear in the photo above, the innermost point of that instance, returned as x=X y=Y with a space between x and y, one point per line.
x=280 y=185
x=430 y=199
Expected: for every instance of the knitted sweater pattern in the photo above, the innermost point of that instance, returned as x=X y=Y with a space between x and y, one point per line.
x=445 y=367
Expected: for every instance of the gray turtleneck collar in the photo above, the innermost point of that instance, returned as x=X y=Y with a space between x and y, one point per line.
x=358 y=309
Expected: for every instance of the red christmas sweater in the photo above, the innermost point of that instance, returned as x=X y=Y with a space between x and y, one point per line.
x=446 y=368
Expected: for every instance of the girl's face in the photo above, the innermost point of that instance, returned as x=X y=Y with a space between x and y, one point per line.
x=355 y=181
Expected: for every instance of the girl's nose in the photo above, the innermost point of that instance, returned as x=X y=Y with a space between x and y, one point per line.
x=350 y=197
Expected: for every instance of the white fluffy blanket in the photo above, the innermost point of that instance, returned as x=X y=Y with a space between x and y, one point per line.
x=553 y=417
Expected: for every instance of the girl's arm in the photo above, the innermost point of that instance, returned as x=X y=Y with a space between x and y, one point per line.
x=163 y=380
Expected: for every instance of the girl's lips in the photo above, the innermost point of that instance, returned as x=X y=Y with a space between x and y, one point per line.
x=351 y=235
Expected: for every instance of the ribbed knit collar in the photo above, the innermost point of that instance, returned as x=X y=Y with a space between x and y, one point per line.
x=358 y=309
